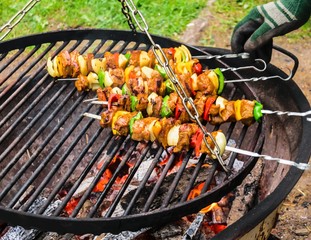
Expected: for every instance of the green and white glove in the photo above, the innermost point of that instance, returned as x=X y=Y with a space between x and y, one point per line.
x=254 y=33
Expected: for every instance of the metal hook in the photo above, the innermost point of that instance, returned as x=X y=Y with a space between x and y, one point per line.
x=247 y=67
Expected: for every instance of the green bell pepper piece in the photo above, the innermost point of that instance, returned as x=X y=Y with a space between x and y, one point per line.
x=221 y=80
x=257 y=111
x=134 y=102
x=138 y=116
x=161 y=70
x=165 y=110
x=128 y=56
x=125 y=90
x=101 y=78
x=169 y=87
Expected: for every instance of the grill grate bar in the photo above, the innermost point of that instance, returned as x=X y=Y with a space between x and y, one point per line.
x=176 y=178
x=69 y=149
x=4 y=66
x=52 y=153
x=238 y=144
x=100 y=173
x=23 y=133
x=159 y=183
x=24 y=114
x=109 y=184
x=87 y=169
x=113 y=178
x=193 y=178
x=24 y=149
x=127 y=182
x=143 y=182
x=21 y=63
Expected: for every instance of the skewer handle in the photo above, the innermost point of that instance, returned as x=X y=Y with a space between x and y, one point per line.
x=302 y=166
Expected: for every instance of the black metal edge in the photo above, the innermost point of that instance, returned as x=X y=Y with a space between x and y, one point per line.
x=80 y=34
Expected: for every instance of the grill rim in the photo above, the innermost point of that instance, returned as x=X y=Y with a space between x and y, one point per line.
x=184 y=207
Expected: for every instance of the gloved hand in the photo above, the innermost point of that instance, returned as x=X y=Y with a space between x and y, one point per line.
x=254 y=33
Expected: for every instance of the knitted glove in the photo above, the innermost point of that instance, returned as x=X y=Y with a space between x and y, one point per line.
x=255 y=32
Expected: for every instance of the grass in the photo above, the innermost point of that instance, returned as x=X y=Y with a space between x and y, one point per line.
x=164 y=18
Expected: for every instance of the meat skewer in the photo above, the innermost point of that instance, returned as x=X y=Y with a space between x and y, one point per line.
x=167 y=131
x=211 y=108
x=71 y=64
x=136 y=80
x=171 y=133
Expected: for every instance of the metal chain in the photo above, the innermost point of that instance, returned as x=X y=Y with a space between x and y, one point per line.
x=17 y=18
x=160 y=56
x=125 y=11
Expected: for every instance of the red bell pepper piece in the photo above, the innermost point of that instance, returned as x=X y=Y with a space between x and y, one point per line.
x=196 y=141
x=198 y=68
x=171 y=51
x=116 y=58
x=113 y=98
x=178 y=110
x=208 y=104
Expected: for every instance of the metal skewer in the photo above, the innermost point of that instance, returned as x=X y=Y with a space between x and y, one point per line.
x=302 y=166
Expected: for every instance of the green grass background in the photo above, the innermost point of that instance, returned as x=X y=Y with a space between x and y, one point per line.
x=164 y=17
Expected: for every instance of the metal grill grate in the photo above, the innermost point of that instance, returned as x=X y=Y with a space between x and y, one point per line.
x=48 y=150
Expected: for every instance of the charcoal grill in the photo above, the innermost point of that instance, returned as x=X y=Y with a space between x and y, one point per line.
x=46 y=145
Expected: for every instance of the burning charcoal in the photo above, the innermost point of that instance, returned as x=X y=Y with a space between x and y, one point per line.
x=218 y=215
x=162 y=191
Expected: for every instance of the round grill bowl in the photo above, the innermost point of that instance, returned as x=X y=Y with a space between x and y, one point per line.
x=288 y=134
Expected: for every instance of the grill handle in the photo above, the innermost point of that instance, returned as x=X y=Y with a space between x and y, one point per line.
x=290 y=55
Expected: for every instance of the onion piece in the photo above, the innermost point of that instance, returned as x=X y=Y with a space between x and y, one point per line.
x=147 y=71
x=173 y=135
x=221 y=141
x=107 y=81
x=83 y=65
x=151 y=98
x=116 y=90
x=55 y=67
x=194 y=78
x=144 y=59
x=50 y=68
x=122 y=61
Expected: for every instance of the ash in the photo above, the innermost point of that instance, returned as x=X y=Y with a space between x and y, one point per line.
x=20 y=232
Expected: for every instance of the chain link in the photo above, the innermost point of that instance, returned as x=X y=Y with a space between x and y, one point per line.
x=163 y=61
x=17 y=18
x=125 y=11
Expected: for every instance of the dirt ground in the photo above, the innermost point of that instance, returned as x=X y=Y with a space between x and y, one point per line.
x=294 y=219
